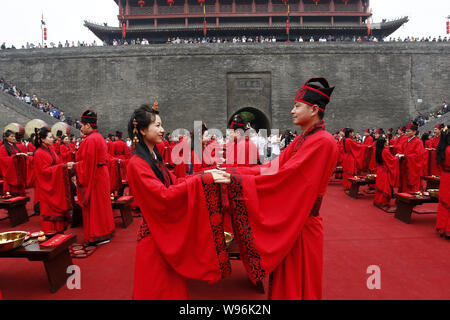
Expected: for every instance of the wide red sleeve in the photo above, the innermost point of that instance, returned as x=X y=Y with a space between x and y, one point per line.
x=185 y=221
x=269 y=211
x=53 y=181
x=391 y=163
x=357 y=150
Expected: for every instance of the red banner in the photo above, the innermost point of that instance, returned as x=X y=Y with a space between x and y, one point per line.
x=124 y=30
x=287 y=26
x=204 y=27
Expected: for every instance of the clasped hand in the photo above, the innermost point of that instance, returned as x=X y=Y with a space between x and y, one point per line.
x=220 y=176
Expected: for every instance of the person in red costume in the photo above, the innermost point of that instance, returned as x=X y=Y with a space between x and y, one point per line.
x=66 y=153
x=411 y=166
x=387 y=170
x=353 y=157
x=443 y=160
x=368 y=141
x=181 y=235
x=93 y=183
x=399 y=141
x=432 y=169
x=119 y=148
x=282 y=238
x=53 y=182
x=13 y=165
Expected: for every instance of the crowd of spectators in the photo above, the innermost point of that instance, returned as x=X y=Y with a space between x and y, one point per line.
x=37 y=103
x=236 y=39
x=423 y=119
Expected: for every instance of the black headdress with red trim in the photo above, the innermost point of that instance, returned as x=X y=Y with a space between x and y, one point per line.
x=89 y=116
x=237 y=123
x=414 y=126
x=313 y=94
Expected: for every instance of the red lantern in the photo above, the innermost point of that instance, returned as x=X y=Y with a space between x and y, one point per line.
x=201 y=2
x=141 y=3
x=345 y=1
x=316 y=2
x=285 y=1
x=170 y=2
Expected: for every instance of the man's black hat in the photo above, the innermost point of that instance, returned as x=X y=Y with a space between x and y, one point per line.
x=89 y=116
x=315 y=91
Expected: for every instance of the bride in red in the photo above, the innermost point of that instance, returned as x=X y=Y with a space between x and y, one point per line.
x=53 y=184
x=181 y=235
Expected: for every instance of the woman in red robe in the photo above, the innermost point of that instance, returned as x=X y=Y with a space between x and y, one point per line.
x=387 y=171
x=433 y=169
x=181 y=235
x=66 y=153
x=13 y=165
x=443 y=159
x=53 y=184
x=352 y=158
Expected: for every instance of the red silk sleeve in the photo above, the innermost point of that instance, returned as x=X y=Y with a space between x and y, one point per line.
x=185 y=221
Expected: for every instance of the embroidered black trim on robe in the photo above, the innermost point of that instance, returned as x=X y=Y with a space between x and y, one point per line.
x=213 y=203
x=244 y=233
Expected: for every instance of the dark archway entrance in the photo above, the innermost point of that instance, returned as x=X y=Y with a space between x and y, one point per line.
x=258 y=120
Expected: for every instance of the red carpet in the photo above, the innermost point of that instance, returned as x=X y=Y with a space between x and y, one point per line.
x=413 y=259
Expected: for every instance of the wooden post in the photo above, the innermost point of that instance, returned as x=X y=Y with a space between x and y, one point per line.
x=301 y=6
x=233 y=6
x=332 y=5
x=253 y=7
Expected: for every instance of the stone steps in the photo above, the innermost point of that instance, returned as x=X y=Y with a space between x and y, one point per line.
x=14 y=110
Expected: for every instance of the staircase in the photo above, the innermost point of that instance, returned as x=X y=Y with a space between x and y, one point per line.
x=15 y=110
x=429 y=126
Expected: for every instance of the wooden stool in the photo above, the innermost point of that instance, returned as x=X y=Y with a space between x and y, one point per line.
x=433 y=182
x=17 y=212
x=124 y=205
x=407 y=202
x=356 y=183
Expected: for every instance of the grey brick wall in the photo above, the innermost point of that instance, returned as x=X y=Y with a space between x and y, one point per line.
x=377 y=84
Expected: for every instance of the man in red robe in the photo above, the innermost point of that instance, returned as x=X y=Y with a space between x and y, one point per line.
x=93 y=183
x=283 y=236
x=399 y=142
x=411 y=165
x=119 y=148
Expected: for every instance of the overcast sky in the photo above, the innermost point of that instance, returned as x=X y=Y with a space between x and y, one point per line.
x=21 y=21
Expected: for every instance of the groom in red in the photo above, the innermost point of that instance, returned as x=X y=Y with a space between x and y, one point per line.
x=282 y=237
x=93 y=183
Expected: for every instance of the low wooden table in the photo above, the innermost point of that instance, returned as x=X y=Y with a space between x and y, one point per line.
x=125 y=210
x=405 y=206
x=356 y=183
x=433 y=182
x=56 y=260
x=17 y=212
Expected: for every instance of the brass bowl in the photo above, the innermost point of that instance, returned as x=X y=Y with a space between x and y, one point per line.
x=433 y=192
x=11 y=240
x=371 y=177
x=228 y=238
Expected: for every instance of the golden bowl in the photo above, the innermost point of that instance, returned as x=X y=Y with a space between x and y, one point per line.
x=11 y=240
x=228 y=238
x=371 y=176
x=433 y=192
